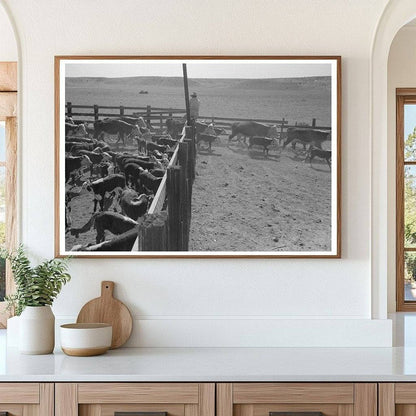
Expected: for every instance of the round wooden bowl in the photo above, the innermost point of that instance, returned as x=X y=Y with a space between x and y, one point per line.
x=85 y=340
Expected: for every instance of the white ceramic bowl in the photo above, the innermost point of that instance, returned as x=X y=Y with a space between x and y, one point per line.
x=83 y=340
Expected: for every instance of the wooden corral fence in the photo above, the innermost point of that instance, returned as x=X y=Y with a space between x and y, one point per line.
x=156 y=116
x=166 y=225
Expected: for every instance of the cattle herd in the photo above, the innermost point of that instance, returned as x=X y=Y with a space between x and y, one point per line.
x=264 y=136
x=120 y=162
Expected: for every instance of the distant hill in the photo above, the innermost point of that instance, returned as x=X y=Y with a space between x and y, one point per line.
x=194 y=83
x=283 y=83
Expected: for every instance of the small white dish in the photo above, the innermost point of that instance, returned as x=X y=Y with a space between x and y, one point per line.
x=85 y=340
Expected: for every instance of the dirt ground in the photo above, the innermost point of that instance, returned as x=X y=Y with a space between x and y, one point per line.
x=243 y=201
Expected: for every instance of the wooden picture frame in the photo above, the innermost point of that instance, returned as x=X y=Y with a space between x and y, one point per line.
x=404 y=96
x=296 y=87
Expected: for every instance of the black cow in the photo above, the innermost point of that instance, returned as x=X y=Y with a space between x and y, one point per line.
x=316 y=152
x=132 y=204
x=149 y=182
x=151 y=147
x=123 y=242
x=75 y=129
x=115 y=127
x=75 y=147
x=96 y=157
x=159 y=173
x=251 y=129
x=174 y=126
x=74 y=164
x=206 y=138
x=263 y=142
x=132 y=172
x=101 y=186
x=166 y=141
x=306 y=136
x=138 y=161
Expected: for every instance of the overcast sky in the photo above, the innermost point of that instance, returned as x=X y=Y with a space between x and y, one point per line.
x=198 y=69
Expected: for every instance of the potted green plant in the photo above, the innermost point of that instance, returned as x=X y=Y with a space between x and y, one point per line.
x=36 y=289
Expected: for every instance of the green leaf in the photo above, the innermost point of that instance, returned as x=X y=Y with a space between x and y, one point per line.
x=35 y=286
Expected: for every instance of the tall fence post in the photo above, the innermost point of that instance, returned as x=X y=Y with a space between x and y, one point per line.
x=148 y=116
x=185 y=194
x=95 y=112
x=174 y=217
x=314 y=122
x=281 y=128
x=122 y=110
x=152 y=232
x=161 y=123
x=190 y=138
x=69 y=109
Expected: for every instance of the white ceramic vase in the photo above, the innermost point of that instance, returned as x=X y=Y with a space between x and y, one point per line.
x=37 y=330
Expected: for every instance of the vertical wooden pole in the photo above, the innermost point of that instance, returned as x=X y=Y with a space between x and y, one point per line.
x=95 y=112
x=314 y=122
x=281 y=128
x=183 y=158
x=174 y=226
x=186 y=90
x=152 y=232
x=69 y=109
x=190 y=136
x=148 y=115
x=122 y=110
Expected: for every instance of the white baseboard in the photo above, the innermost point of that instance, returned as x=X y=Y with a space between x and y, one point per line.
x=253 y=332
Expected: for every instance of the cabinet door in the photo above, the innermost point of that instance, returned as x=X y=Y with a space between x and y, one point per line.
x=397 y=399
x=26 y=399
x=296 y=399
x=143 y=399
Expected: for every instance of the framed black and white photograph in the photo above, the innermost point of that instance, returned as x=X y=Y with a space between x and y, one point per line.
x=198 y=156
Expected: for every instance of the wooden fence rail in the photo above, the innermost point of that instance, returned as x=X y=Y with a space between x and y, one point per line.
x=156 y=116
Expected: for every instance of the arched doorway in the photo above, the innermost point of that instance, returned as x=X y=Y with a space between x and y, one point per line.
x=396 y=14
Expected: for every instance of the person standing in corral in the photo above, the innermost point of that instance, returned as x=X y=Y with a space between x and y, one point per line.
x=194 y=104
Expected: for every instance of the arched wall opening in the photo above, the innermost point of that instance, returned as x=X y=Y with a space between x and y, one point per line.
x=401 y=73
x=8 y=44
x=396 y=15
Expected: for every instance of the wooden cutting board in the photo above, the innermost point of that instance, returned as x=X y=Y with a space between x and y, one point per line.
x=107 y=309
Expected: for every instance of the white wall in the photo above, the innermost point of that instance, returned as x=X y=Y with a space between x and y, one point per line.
x=181 y=301
x=401 y=74
x=8 y=47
